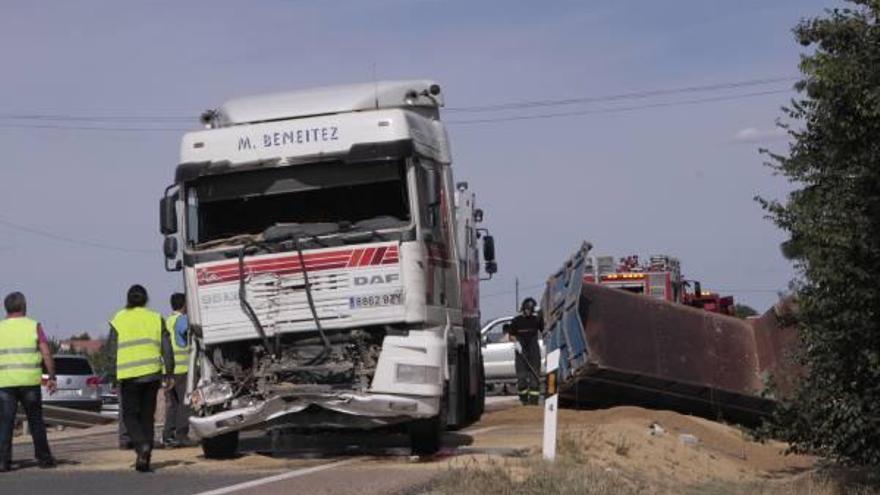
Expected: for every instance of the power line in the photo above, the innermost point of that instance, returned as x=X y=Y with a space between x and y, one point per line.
x=617 y=109
x=551 y=115
x=509 y=292
x=72 y=240
x=622 y=96
x=93 y=128
x=94 y=118
x=64 y=121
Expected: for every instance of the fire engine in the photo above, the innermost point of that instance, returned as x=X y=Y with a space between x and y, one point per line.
x=660 y=278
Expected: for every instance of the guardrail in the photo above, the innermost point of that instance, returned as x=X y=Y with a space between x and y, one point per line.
x=63 y=416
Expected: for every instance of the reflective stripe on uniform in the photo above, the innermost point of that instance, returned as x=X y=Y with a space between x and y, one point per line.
x=135 y=364
x=19 y=367
x=132 y=343
x=20 y=350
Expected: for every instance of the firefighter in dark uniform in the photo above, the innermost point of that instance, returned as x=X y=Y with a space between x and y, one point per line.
x=525 y=331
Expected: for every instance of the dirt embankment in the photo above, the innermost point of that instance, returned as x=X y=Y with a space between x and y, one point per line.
x=682 y=448
x=649 y=451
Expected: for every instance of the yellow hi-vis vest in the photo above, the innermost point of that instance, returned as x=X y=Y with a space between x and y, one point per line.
x=139 y=343
x=181 y=354
x=20 y=358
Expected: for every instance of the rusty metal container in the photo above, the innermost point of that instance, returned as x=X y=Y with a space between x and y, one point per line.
x=623 y=348
x=776 y=340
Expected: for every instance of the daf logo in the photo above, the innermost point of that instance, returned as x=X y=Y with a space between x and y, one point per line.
x=377 y=279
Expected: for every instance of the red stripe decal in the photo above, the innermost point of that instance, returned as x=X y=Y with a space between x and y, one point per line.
x=356 y=257
x=286 y=265
x=368 y=256
x=378 y=256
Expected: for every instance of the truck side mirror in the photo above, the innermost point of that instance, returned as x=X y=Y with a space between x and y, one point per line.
x=488 y=250
x=491 y=267
x=172 y=259
x=169 y=247
x=168 y=215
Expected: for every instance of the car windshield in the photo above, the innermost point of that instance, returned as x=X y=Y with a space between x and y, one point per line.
x=319 y=199
x=71 y=366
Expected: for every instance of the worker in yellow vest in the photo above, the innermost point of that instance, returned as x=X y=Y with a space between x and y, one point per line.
x=142 y=348
x=176 y=431
x=24 y=351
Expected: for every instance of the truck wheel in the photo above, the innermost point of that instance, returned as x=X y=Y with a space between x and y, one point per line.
x=426 y=435
x=478 y=406
x=224 y=446
x=462 y=391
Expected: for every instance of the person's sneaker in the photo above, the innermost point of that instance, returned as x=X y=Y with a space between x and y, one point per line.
x=47 y=463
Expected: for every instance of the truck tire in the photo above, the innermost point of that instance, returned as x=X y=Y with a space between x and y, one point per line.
x=461 y=382
x=426 y=435
x=224 y=446
x=478 y=406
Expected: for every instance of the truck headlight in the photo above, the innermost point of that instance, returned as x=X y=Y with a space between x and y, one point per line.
x=211 y=394
x=413 y=373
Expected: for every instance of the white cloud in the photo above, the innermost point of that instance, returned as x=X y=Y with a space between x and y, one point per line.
x=754 y=135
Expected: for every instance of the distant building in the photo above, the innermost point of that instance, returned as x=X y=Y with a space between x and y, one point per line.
x=77 y=346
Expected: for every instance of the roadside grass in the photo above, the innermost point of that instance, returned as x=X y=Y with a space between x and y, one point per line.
x=574 y=474
x=530 y=477
x=809 y=485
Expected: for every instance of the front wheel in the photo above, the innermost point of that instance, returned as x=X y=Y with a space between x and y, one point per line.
x=426 y=435
x=223 y=446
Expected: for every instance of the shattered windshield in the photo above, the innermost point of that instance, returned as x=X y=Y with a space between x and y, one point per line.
x=315 y=199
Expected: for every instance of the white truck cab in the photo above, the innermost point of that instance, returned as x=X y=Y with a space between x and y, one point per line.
x=331 y=265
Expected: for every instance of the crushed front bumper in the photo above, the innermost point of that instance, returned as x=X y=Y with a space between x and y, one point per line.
x=366 y=410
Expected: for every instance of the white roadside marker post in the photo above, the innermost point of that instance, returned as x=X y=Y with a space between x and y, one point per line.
x=551 y=406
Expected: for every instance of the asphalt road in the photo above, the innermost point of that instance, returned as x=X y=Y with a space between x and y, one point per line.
x=327 y=463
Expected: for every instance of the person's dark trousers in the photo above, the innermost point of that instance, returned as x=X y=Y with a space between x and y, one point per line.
x=176 y=413
x=32 y=400
x=138 y=401
x=124 y=439
x=528 y=364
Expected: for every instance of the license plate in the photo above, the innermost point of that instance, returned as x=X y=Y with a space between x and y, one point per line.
x=373 y=301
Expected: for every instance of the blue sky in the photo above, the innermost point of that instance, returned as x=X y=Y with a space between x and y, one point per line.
x=675 y=179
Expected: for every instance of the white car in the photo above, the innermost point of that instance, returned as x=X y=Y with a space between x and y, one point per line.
x=78 y=386
x=499 y=356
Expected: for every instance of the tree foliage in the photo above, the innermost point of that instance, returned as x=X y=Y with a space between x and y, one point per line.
x=744 y=310
x=101 y=361
x=833 y=220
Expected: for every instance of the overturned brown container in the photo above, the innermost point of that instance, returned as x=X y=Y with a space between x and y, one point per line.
x=623 y=348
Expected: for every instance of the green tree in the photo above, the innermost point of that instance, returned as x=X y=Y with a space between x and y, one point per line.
x=833 y=220
x=101 y=361
x=744 y=310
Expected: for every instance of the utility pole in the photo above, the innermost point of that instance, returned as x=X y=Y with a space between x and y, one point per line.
x=516 y=292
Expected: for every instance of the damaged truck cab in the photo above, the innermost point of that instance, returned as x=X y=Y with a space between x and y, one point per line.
x=331 y=266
